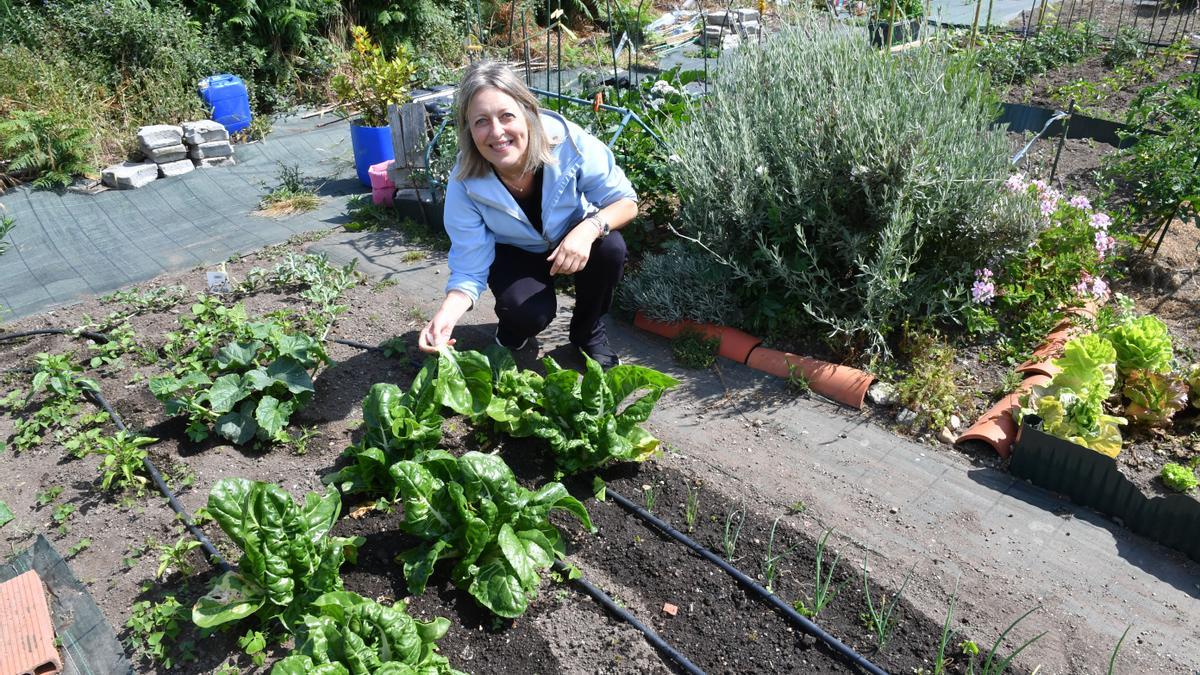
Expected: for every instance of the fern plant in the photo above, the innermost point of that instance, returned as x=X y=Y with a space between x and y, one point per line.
x=6 y=226
x=47 y=147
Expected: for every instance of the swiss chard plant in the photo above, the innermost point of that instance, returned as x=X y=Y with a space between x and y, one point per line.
x=1154 y=398
x=471 y=509
x=1072 y=405
x=1192 y=377
x=242 y=379
x=288 y=557
x=347 y=633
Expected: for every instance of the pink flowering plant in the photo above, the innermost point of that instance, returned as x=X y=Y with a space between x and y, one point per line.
x=1069 y=262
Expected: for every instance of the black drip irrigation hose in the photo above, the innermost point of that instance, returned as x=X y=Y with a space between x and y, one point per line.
x=621 y=613
x=94 y=337
x=800 y=620
x=213 y=555
x=357 y=345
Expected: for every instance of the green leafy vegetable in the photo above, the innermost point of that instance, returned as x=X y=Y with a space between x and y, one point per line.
x=1072 y=405
x=348 y=633
x=6 y=514
x=1193 y=382
x=472 y=509
x=1179 y=478
x=1154 y=397
x=1142 y=344
x=288 y=558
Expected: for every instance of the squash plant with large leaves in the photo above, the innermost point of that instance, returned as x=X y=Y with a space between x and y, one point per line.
x=242 y=379
x=471 y=509
x=288 y=557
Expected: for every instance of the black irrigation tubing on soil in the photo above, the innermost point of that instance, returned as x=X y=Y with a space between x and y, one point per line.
x=800 y=620
x=621 y=613
x=357 y=345
x=213 y=555
x=95 y=337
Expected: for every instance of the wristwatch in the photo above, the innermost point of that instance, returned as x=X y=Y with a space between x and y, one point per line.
x=601 y=225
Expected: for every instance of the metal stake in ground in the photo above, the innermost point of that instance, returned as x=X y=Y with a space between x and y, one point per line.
x=1063 y=140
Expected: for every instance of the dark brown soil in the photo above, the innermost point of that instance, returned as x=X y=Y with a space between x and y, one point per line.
x=718 y=625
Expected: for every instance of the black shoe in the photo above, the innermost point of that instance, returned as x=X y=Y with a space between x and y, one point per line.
x=509 y=347
x=601 y=353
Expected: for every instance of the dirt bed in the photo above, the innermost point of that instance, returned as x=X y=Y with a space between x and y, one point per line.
x=718 y=625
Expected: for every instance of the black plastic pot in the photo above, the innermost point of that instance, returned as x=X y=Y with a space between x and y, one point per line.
x=901 y=32
x=1093 y=480
x=420 y=206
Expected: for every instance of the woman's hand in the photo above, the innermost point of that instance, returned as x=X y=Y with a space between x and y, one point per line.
x=573 y=251
x=437 y=332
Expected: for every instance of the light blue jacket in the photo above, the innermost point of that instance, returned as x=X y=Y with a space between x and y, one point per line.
x=481 y=213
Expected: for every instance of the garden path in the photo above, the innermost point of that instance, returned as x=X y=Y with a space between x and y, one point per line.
x=1009 y=546
x=67 y=245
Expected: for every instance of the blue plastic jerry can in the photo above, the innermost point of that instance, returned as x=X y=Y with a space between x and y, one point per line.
x=230 y=103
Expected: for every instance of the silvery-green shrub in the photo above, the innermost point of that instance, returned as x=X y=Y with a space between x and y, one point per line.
x=681 y=282
x=845 y=188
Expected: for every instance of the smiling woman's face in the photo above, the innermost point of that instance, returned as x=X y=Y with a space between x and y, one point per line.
x=499 y=129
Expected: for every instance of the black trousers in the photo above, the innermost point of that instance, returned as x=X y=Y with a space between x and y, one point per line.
x=524 y=291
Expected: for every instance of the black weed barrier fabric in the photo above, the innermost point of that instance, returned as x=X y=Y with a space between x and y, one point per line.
x=1093 y=480
x=87 y=644
x=1020 y=118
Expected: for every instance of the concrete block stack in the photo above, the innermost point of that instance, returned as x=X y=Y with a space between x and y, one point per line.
x=208 y=143
x=727 y=29
x=172 y=151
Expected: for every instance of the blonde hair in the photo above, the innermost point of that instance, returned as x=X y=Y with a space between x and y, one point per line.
x=493 y=75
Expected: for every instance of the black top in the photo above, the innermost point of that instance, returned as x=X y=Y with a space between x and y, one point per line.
x=531 y=203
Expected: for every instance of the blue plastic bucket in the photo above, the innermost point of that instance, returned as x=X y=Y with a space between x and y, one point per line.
x=226 y=95
x=372 y=145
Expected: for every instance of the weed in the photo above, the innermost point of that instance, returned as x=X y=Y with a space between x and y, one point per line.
x=290 y=196
x=693 y=349
x=367 y=217
x=797 y=507
x=135 y=553
x=930 y=387
x=254 y=644
x=1112 y=660
x=394 y=347
x=149 y=301
x=383 y=284
x=79 y=547
x=797 y=381
x=123 y=465
x=882 y=621
x=299 y=442
x=61 y=516
x=771 y=561
x=174 y=557
x=6 y=226
x=413 y=256
x=693 y=507
x=154 y=627
x=48 y=495
x=729 y=541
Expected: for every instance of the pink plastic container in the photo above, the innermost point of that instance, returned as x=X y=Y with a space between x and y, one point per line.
x=379 y=176
x=385 y=196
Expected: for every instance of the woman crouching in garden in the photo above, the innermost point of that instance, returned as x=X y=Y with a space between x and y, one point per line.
x=532 y=196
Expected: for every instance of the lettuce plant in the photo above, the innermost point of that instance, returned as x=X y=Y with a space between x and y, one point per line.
x=1154 y=397
x=288 y=558
x=348 y=633
x=471 y=509
x=1179 y=478
x=1142 y=344
x=1193 y=382
x=1072 y=405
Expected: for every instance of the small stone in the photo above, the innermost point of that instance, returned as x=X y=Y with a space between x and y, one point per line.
x=946 y=436
x=213 y=161
x=906 y=416
x=159 y=135
x=669 y=609
x=955 y=422
x=204 y=131
x=894 y=510
x=211 y=150
x=166 y=154
x=883 y=394
x=129 y=175
x=177 y=168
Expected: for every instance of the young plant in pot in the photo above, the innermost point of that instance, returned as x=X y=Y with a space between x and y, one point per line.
x=895 y=22
x=373 y=80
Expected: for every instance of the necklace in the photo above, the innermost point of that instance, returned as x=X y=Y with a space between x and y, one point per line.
x=511 y=186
